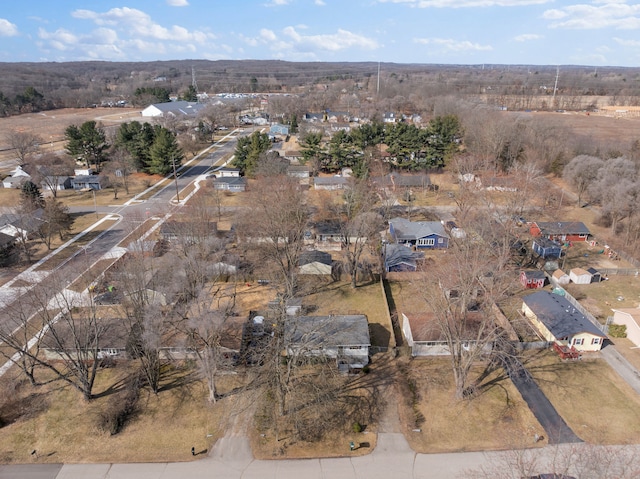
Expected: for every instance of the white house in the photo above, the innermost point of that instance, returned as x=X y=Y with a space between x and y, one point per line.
x=629 y=317
x=173 y=109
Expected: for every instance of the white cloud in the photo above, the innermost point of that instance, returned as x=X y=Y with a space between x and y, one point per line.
x=320 y=3
x=178 y=3
x=525 y=37
x=627 y=43
x=602 y=14
x=340 y=40
x=466 y=3
x=137 y=22
x=7 y=29
x=277 y=3
x=61 y=39
x=268 y=35
x=451 y=45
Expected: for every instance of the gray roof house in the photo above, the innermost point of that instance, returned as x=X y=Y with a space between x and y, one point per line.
x=421 y=234
x=344 y=338
x=399 y=258
x=92 y=182
x=330 y=182
x=173 y=108
x=558 y=321
x=56 y=182
x=230 y=183
x=314 y=262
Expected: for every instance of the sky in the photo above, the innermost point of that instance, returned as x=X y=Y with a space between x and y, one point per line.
x=523 y=32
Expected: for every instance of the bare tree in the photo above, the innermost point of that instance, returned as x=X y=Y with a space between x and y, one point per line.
x=275 y=227
x=616 y=189
x=50 y=169
x=581 y=172
x=68 y=326
x=56 y=221
x=585 y=461
x=461 y=291
x=360 y=224
x=209 y=329
x=24 y=143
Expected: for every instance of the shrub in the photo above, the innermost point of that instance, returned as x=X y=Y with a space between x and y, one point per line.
x=356 y=427
x=120 y=411
x=617 y=331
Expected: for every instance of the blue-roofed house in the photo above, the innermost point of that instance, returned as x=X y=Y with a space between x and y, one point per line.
x=421 y=234
x=558 y=321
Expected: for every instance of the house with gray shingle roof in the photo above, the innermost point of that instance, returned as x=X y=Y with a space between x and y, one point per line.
x=344 y=338
x=558 y=321
x=420 y=234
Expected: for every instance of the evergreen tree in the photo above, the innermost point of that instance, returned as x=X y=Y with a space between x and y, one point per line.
x=87 y=142
x=249 y=149
x=164 y=153
x=191 y=94
x=31 y=196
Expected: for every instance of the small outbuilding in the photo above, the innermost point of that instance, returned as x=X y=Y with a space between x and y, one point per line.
x=533 y=279
x=629 y=317
x=580 y=276
x=561 y=277
x=596 y=277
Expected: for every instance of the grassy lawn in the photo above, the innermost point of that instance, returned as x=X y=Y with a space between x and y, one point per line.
x=497 y=418
x=165 y=428
x=9 y=197
x=594 y=401
x=616 y=292
x=340 y=298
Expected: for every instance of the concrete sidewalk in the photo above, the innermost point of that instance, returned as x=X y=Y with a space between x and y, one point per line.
x=231 y=459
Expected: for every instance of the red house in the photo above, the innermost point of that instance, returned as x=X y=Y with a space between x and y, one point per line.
x=560 y=230
x=533 y=279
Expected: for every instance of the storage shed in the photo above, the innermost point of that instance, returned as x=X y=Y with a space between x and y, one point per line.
x=580 y=276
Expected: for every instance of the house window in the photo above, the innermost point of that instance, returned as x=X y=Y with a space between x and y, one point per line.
x=578 y=341
x=440 y=240
x=426 y=242
x=355 y=347
x=595 y=341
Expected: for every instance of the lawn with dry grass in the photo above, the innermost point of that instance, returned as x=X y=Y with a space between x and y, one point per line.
x=496 y=418
x=599 y=298
x=62 y=427
x=594 y=401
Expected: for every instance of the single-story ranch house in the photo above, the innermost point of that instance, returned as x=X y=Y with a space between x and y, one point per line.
x=421 y=234
x=558 y=321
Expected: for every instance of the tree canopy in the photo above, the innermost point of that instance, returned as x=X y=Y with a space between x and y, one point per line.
x=248 y=151
x=164 y=153
x=87 y=142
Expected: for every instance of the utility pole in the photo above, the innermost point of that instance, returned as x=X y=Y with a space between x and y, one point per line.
x=175 y=178
x=555 y=86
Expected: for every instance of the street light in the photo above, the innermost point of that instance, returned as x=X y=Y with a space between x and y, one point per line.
x=175 y=177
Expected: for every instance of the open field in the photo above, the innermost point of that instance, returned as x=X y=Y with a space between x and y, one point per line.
x=594 y=401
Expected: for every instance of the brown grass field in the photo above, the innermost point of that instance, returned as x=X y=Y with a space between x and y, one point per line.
x=594 y=401
x=497 y=418
x=168 y=425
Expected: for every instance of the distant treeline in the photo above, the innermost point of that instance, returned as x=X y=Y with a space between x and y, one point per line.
x=85 y=84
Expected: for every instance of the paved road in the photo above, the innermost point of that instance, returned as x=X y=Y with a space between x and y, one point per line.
x=623 y=367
